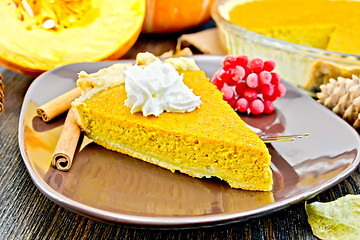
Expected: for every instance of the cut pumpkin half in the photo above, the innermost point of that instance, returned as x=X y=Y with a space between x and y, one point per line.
x=39 y=35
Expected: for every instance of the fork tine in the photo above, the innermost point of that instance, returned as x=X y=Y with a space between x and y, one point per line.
x=278 y=140
x=282 y=138
x=285 y=136
x=294 y=135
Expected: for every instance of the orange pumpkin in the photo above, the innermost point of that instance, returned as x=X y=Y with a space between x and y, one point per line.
x=165 y=16
x=36 y=36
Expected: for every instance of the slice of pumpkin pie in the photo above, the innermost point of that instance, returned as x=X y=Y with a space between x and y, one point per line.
x=169 y=114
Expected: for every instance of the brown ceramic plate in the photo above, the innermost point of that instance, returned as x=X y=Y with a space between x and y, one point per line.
x=113 y=187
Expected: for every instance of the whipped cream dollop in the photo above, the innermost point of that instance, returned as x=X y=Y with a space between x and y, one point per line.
x=156 y=88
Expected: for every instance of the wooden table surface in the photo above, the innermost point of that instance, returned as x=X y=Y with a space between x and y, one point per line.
x=25 y=213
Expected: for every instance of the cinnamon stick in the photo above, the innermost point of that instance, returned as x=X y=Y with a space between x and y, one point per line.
x=57 y=106
x=67 y=143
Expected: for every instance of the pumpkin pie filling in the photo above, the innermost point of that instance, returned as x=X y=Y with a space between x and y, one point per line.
x=325 y=24
x=209 y=141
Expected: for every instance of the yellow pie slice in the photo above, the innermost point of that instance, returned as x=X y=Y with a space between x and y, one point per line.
x=211 y=141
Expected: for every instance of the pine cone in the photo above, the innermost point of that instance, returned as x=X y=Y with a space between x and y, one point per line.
x=342 y=96
x=1 y=95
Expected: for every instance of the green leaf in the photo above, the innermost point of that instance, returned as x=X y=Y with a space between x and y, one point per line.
x=339 y=219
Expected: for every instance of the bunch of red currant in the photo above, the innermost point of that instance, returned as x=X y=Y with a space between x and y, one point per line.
x=249 y=86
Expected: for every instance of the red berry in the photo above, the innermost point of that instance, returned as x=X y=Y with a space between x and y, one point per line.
x=256 y=65
x=275 y=78
x=240 y=88
x=257 y=106
x=250 y=94
x=228 y=93
x=269 y=65
x=216 y=74
x=271 y=98
x=237 y=73
x=229 y=61
x=242 y=104
x=231 y=82
x=232 y=102
x=224 y=75
x=217 y=82
x=264 y=77
x=268 y=107
x=267 y=90
x=247 y=72
x=252 y=80
x=242 y=60
x=280 y=90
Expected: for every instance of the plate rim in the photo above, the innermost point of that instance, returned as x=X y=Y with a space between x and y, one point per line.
x=156 y=221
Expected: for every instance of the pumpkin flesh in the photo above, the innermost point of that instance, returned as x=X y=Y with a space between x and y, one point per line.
x=40 y=35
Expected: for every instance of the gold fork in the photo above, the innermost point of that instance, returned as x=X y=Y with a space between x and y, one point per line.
x=269 y=138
